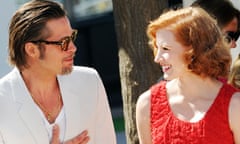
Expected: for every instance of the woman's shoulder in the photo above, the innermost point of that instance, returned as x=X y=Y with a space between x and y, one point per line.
x=235 y=101
x=143 y=101
x=234 y=116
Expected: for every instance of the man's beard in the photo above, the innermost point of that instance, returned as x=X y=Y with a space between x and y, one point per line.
x=66 y=70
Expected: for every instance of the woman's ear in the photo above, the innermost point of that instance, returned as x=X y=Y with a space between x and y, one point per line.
x=32 y=49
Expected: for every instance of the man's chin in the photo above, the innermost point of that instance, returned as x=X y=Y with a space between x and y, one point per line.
x=66 y=70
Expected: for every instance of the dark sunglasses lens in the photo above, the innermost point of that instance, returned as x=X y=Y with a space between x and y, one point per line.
x=233 y=35
x=67 y=40
x=237 y=34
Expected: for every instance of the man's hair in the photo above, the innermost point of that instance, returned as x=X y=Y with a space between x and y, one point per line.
x=222 y=10
x=29 y=24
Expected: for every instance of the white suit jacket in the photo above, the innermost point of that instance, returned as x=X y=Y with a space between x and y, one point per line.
x=85 y=104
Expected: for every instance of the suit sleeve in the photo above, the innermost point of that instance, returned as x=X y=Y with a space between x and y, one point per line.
x=105 y=132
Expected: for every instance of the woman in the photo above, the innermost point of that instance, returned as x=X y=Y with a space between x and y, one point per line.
x=192 y=105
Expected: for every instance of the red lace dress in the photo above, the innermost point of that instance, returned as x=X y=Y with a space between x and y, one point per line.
x=212 y=129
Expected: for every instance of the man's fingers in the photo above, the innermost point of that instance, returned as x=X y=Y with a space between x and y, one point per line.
x=82 y=138
x=55 y=135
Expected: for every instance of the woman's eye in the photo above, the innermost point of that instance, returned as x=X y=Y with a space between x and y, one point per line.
x=165 y=48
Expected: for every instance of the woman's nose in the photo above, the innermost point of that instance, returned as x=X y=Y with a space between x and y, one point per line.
x=157 y=56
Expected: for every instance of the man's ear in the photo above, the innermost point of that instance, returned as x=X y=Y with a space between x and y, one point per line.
x=32 y=49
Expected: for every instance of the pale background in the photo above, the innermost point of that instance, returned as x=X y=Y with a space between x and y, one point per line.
x=7 y=8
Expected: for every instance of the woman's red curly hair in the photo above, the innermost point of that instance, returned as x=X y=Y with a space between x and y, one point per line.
x=208 y=53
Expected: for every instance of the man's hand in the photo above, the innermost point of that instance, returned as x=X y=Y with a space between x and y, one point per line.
x=82 y=138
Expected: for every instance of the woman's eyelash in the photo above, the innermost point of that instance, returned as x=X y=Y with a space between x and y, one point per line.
x=165 y=48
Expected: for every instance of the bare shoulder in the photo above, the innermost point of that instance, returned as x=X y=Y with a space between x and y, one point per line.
x=143 y=102
x=143 y=109
x=143 y=117
x=235 y=101
x=234 y=107
x=234 y=116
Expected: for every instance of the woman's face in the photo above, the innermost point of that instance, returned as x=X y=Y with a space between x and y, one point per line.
x=231 y=30
x=169 y=54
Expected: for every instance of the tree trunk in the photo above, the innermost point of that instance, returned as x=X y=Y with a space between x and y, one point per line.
x=137 y=69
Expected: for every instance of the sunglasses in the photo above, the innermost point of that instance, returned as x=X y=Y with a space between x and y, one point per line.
x=230 y=35
x=64 y=42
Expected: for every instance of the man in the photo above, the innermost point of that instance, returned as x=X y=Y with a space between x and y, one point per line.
x=45 y=99
x=227 y=17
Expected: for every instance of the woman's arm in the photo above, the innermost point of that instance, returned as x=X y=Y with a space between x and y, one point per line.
x=143 y=118
x=234 y=116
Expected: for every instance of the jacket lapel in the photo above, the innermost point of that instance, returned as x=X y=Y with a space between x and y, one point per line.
x=80 y=100
x=28 y=111
x=71 y=105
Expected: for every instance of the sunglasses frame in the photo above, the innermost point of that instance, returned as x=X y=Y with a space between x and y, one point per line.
x=64 y=42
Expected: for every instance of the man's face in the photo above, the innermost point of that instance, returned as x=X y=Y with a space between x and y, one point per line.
x=58 y=58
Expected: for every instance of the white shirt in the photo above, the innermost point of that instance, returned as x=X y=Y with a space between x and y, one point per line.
x=60 y=120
